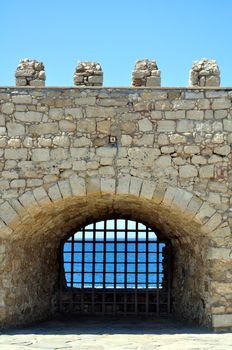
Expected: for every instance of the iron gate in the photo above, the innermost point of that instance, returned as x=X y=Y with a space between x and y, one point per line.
x=115 y=267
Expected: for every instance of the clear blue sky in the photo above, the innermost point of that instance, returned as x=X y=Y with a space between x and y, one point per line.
x=115 y=33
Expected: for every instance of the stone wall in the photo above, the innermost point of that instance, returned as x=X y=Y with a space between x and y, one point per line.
x=169 y=165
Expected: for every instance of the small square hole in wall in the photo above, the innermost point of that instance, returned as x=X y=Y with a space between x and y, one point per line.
x=113 y=139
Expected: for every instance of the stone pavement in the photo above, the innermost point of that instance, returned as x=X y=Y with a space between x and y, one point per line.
x=113 y=334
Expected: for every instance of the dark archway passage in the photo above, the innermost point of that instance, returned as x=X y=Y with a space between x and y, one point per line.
x=115 y=267
x=34 y=283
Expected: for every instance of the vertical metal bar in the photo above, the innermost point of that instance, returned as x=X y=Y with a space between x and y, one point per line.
x=93 y=268
x=115 y=266
x=147 y=264
x=62 y=277
x=157 y=283
x=125 y=268
x=104 y=272
x=72 y=267
x=136 y=267
x=168 y=246
x=83 y=271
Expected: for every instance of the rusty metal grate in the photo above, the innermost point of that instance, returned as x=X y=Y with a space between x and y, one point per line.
x=115 y=267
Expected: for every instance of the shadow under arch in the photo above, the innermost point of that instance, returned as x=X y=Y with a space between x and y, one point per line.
x=31 y=262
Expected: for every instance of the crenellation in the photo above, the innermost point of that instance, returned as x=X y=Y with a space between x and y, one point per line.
x=204 y=72
x=30 y=72
x=88 y=73
x=146 y=73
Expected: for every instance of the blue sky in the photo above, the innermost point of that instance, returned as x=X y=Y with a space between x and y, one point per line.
x=116 y=34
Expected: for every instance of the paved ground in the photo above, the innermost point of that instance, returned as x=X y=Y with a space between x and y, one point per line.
x=117 y=334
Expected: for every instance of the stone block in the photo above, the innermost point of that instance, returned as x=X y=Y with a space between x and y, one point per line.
x=17 y=154
x=192 y=149
x=177 y=139
x=22 y=99
x=61 y=141
x=205 y=213
x=147 y=190
x=30 y=116
x=93 y=185
x=65 y=188
x=77 y=185
x=183 y=104
x=145 y=125
x=8 y=214
x=126 y=140
x=222 y=321
x=19 y=183
x=169 y=196
x=54 y=193
x=56 y=113
x=191 y=95
x=15 y=129
x=108 y=185
x=185 y=126
x=66 y=125
x=153 y=81
x=219 y=254
x=43 y=129
x=144 y=140
x=206 y=171
x=40 y=155
x=135 y=186
x=181 y=200
x=212 y=223
x=163 y=162
x=59 y=154
x=220 y=114
x=7 y=108
x=227 y=123
x=195 y=115
x=186 y=171
x=199 y=160
x=41 y=196
x=156 y=115
x=221 y=103
x=123 y=184
x=104 y=112
x=222 y=150
x=106 y=152
x=86 y=126
x=28 y=201
x=2 y=120
x=166 y=126
x=176 y=115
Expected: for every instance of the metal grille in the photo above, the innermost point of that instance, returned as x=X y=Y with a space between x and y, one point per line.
x=115 y=267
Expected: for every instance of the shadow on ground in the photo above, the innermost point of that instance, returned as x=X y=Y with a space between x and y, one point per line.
x=104 y=325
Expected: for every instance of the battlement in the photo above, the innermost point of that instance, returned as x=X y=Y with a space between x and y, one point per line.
x=204 y=73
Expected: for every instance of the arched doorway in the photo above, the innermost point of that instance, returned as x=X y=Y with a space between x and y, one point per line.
x=30 y=269
x=115 y=267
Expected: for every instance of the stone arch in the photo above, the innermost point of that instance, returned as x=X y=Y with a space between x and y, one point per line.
x=33 y=225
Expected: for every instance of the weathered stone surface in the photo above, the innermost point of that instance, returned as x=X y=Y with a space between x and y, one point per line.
x=30 y=72
x=188 y=171
x=88 y=73
x=146 y=73
x=7 y=108
x=204 y=72
x=169 y=166
x=222 y=321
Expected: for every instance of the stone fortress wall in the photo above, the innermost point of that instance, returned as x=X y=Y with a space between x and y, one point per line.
x=69 y=156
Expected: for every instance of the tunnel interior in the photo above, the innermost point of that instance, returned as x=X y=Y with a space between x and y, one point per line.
x=33 y=266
